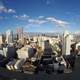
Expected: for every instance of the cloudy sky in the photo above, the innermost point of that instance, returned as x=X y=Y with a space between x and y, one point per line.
x=40 y=15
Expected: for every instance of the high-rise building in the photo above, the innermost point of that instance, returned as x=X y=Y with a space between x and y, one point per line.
x=9 y=36
x=20 y=32
x=66 y=46
x=1 y=39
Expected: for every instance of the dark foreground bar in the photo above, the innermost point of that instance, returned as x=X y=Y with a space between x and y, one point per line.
x=11 y=75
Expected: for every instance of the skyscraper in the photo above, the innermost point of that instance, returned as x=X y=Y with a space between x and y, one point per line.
x=19 y=31
x=9 y=36
x=1 y=39
x=67 y=38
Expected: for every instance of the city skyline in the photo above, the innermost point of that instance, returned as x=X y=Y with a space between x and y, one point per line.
x=40 y=15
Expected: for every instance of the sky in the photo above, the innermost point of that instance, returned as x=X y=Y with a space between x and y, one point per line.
x=40 y=15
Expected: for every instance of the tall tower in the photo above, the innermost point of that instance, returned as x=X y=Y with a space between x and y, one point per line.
x=20 y=32
x=1 y=39
x=9 y=36
x=66 y=46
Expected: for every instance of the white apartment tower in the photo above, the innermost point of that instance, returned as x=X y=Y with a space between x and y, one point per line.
x=9 y=36
x=1 y=39
x=67 y=38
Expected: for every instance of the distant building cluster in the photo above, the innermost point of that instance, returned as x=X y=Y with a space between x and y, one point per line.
x=66 y=39
x=20 y=47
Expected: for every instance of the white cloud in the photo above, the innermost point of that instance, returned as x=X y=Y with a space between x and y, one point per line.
x=58 y=22
x=21 y=17
x=37 y=21
x=41 y=17
x=4 y=9
x=11 y=11
x=42 y=20
x=24 y=16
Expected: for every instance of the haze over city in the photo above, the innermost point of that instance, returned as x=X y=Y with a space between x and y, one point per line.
x=40 y=15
